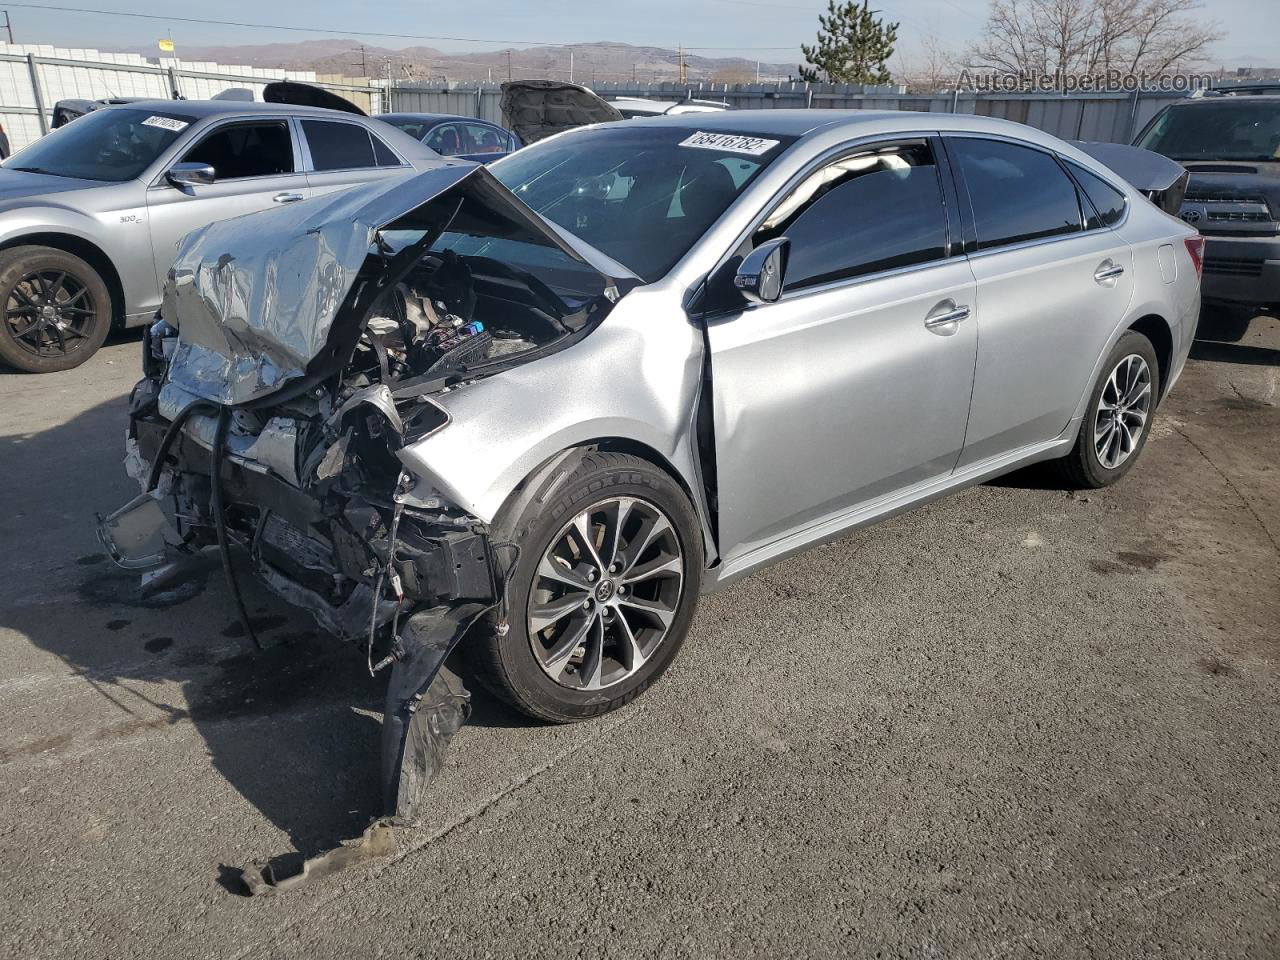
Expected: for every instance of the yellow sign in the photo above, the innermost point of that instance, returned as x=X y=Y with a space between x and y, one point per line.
x=165 y=45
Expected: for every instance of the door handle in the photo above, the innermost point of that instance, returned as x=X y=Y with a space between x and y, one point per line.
x=944 y=313
x=288 y=197
x=1107 y=270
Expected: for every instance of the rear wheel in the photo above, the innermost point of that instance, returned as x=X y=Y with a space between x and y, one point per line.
x=602 y=594
x=57 y=310
x=1118 y=418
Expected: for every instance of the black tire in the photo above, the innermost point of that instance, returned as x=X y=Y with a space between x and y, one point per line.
x=507 y=665
x=80 y=301
x=1224 y=322
x=1082 y=468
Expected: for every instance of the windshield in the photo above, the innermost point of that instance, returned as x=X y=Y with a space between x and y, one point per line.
x=1220 y=131
x=641 y=194
x=114 y=144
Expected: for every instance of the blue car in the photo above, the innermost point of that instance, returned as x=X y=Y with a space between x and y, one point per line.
x=452 y=136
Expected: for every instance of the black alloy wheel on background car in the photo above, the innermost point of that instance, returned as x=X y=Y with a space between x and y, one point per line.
x=57 y=309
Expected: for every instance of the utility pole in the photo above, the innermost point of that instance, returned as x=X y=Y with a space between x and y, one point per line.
x=571 y=64
x=8 y=26
x=682 y=73
x=508 y=64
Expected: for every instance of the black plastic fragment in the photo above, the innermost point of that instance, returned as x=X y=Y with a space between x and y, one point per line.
x=426 y=705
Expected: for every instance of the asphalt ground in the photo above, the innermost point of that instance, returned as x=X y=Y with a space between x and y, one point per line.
x=1019 y=722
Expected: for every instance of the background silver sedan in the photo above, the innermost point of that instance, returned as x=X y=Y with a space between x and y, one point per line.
x=91 y=215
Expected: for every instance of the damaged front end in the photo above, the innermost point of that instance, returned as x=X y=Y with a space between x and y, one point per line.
x=299 y=355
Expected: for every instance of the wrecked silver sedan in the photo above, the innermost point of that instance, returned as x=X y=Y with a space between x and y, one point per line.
x=531 y=411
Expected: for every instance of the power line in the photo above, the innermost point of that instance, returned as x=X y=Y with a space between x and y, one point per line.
x=343 y=32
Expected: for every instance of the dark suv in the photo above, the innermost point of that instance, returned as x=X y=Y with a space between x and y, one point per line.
x=1229 y=141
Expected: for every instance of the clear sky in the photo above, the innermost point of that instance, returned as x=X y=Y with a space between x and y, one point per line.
x=757 y=29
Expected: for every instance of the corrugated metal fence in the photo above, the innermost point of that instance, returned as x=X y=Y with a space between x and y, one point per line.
x=33 y=78
x=1114 y=117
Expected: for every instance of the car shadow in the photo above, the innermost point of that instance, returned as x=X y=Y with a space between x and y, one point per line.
x=294 y=728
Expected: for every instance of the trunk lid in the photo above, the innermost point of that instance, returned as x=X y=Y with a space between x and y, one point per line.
x=305 y=95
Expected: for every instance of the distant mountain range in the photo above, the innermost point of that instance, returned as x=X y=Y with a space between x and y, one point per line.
x=591 y=62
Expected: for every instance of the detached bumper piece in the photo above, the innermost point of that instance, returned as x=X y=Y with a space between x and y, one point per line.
x=329 y=521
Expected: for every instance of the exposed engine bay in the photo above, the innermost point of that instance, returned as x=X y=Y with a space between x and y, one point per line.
x=250 y=432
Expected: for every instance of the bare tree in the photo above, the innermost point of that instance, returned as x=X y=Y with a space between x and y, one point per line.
x=932 y=68
x=1092 y=36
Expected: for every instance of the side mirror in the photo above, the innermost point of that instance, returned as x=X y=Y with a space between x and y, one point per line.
x=759 y=277
x=191 y=174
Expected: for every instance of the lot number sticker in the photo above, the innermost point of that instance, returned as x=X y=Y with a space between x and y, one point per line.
x=165 y=123
x=732 y=142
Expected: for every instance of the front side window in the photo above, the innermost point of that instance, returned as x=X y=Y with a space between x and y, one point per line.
x=1106 y=202
x=241 y=150
x=114 y=145
x=643 y=195
x=875 y=210
x=339 y=146
x=1018 y=193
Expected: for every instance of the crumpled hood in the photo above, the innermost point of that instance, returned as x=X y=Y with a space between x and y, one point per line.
x=255 y=298
x=535 y=109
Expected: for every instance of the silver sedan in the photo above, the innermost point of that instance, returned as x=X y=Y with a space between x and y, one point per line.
x=536 y=409
x=91 y=215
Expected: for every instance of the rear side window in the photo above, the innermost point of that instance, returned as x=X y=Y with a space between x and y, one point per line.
x=1018 y=193
x=383 y=155
x=861 y=214
x=245 y=150
x=1106 y=201
x=339 y=146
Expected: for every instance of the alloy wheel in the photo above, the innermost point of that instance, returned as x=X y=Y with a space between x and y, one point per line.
x=1123 y=409
x=605 y=593
x=49 y=313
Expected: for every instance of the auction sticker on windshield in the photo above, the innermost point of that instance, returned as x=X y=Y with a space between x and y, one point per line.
x=732 y=142
x=165 y=123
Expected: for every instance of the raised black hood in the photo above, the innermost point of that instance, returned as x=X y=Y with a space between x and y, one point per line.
x=535 y=109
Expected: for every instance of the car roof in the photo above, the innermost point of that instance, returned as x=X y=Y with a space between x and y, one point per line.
x=798 y=123
x=432 y=117
x=213 y=108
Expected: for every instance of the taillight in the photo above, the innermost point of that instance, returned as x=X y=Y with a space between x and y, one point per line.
x=1195 y=247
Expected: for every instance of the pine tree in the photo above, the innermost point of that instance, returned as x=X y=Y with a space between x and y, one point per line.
x=854 y=45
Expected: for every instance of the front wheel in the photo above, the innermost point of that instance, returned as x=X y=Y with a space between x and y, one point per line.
x=1118 y=418
x=602 y=594
x=57 y=310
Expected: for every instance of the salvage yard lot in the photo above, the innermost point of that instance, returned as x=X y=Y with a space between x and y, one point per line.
x=1017 y=722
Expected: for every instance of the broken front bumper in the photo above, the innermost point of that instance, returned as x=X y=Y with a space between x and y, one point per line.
x=355 y=545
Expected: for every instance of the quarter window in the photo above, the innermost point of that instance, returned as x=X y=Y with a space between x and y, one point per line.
x=339 y=146
x=243 y=150
x=872 y=211
x=1018 y=193
x=1107 y=202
